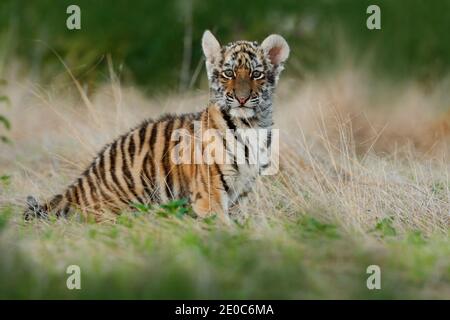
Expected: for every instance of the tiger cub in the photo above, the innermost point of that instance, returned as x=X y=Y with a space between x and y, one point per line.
x=164 y=159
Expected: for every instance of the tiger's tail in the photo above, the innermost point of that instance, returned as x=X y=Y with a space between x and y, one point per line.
x=57 y=205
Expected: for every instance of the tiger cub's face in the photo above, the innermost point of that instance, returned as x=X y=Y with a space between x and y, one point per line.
x=242 y=75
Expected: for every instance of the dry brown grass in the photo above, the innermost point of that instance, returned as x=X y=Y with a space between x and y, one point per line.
x=352 y=150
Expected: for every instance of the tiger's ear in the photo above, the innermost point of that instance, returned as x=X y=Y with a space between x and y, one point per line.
x=211 y=47
x=276 y=49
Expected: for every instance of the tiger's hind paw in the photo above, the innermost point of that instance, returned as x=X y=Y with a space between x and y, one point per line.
x=34 y=210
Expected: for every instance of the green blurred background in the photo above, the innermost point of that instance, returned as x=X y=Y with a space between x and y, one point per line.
x=156 y=44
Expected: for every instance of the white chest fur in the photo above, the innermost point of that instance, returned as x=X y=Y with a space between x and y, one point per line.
x=251 y=155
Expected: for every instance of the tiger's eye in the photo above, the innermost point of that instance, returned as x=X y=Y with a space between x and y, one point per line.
x=228 y=74
x=257 y=75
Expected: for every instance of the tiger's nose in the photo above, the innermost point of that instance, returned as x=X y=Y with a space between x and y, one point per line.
x=242 y=100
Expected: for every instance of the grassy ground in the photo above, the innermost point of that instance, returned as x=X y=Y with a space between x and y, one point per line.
x=155 y=257
x=364 y=180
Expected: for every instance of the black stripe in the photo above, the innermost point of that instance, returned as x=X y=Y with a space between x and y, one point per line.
x=269 y=139
x=229 y=152
x=242 y=195
x=101 y=176
x=54 y=202
x=228 y=120
x=142 y=132
x=99 y=185
x=97 y=181
x=246 y=122
x=102 y=195
x=93 y=189
x=147 y=180
x=202 y=177
x=68 y=195
x=240 y=142
x=101 y=165
x=183 y=187
x=166 y=159
x=83 y=192
x=112 y=164
x=153 y=136
x=77 y=196
x=246 y=152
x=126 y=170
x=131 y=149
x=222 y=179
x=184 y=192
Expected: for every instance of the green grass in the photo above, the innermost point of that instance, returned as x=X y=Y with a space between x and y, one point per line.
x=172 y=255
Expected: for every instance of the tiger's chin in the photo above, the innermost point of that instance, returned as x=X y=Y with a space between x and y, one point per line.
x=242 y=112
